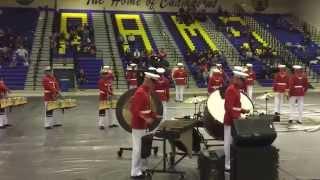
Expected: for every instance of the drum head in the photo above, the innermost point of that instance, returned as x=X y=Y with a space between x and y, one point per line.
x=214 y=113
x=123 y=113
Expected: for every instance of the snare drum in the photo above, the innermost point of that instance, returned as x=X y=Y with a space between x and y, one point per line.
x=53 y=105
x=107 y=104
x=214 y=113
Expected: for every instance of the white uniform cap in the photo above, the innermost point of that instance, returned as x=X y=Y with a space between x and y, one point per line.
x=133 y=64
x=216 y=71
x=249 y=65
x=129 y=68
x=103 y=71
x=152 y=69
x=297 y=67
x=47 y=68
x=161 y=70
x=106 y=67
x=281 y=66
x=218 y=65
x=151 y=75
x=240 y=74
x=180 y=64
x=238 y=68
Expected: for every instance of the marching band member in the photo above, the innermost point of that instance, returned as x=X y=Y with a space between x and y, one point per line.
x=142 y=116
x=280 y=86
x=233 y=111
x=180 y=77
x=298 y=86
x=105 y=89
x=4 y=90
x=51 y=92
x=162 y=88
x=215 y=81
x=250 y=80
x=131 y=76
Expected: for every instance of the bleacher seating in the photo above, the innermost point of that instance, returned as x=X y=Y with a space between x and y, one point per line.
x=91 y=67
x=21 y=22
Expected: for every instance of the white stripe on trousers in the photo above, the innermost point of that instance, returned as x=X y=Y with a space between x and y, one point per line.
x=165 y=110
x=300 y=104
x=102 y=119
x=227 y=144
x=250 y=92
x=138 y=165
x=179 y=92
x=278 y=102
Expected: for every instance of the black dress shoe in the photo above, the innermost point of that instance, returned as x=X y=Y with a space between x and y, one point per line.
x=2 y=127
x=138 y=177
x=114 y=125
x=290 y=122
x=277 y=114
x=101 y=128
x=299 y=122
x=57 y=125
x=49 y=127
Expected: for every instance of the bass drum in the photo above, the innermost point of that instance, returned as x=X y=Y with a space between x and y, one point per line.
x=214 y=113
x=123 y=112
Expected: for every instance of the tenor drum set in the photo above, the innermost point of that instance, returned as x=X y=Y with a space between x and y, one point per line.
x=61 y=104
x=13 y=102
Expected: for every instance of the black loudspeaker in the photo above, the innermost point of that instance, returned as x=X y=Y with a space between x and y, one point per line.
x=254 y=163
x=211 y=164
x=254 y=131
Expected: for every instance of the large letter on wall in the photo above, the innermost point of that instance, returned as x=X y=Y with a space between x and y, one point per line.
x=140 y=31
x=63 y=25
x=183 y=28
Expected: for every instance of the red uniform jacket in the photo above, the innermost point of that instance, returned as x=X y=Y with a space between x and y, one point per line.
x=162 y=88
x=280 y=82
x=131 y=77
x=180 y=76
x=298 y=85
x=215 y=82
x=251 y=78
x=3 y=89
x=51 y=88
x=105 y=89
x=232 y=105
x=110 y=76
x=140 y=108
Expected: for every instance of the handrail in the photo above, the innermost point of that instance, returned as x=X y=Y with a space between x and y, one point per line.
x=115 y=69
x=36 y=67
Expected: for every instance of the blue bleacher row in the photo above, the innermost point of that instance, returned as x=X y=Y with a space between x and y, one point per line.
x=16 y=77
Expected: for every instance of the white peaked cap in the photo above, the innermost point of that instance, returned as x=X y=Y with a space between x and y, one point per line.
x=152 y=68
x=133 y=64
x=240 y=74
x=47 y=68
x=297 y=67
x=238 y=68
x=106 y=67
x=161 y=70
x=103 y=70
x=129 y=68
x=249 y=65
x=179 y=64
x=218 y=65
x=281 y=66
x=151 y=75
x=216 y=70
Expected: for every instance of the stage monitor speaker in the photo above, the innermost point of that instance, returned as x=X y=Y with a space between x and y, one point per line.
x=254 y=163
x=211 y=164
x=254 y=131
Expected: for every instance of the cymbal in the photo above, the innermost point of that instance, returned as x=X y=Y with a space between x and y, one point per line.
x=195 y=100
x=265 y=96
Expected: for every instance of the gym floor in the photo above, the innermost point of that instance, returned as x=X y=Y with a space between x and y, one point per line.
x=80 y=151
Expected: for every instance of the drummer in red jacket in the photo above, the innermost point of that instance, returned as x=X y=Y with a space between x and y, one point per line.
x=162 y=88
x=250 y=80
x=51 y=92
x=233 y=111
x=298 y=86
x=280 y=87
x=132 y=76
x=215 y=81
x=4 y=90
x=180 y=77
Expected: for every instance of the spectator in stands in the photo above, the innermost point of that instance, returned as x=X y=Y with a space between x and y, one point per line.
x=22 y=55
x=162 y=54
x=131 y=40
x=82 y=78
x=136 y=56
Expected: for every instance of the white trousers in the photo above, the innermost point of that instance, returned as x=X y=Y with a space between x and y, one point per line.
x=49 y=121
x=293 y=109
x=103 y=120
x=227 y=144
x=278 y=102
x=4 y=118
x=165 y=110
x=179 y=92
x=250 y=92
x=138 y=165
